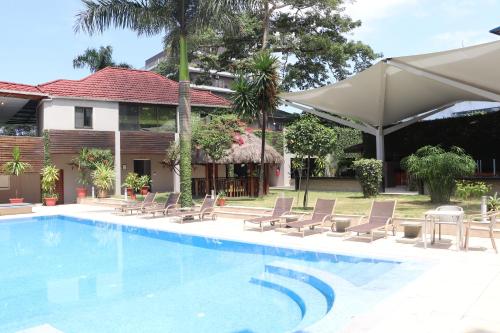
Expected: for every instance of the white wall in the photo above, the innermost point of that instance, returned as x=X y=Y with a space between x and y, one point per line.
x=59 y=114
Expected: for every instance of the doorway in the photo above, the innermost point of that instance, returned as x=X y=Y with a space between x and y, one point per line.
x=143 y=167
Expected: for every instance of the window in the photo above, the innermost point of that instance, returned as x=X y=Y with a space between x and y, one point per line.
x=83 y=117
x=152 y=118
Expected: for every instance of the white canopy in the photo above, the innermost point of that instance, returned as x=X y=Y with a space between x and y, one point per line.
x=397 y=92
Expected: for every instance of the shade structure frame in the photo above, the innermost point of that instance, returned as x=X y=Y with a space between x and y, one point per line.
x=397 y=92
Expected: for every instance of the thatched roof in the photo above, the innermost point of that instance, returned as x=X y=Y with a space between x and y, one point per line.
x=247 y=151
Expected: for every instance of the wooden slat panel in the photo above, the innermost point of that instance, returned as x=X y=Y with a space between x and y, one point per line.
x=70 y=142
x=136 y=142
x=31 y=150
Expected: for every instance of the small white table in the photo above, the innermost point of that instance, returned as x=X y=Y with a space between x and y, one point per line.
x=457 y=216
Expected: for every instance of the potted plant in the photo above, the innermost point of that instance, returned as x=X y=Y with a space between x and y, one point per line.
x=221 y=200
x=16 y=167
x=50 y=175
x=494 y=202
x=103 y=177
x=143 y=184
x=130 y=183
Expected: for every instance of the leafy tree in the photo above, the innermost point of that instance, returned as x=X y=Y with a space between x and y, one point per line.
x=310 y=35
x=307 y=138
x=215 y=138
x=16 y=167
x=177 y=20
x=257 y=96
x=439 y=169
x=96 y=59
x=369 y=173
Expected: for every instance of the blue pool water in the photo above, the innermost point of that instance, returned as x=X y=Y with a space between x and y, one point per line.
x=87 y=276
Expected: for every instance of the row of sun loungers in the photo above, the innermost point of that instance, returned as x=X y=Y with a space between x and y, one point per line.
x=171 y=208
x=380 y=217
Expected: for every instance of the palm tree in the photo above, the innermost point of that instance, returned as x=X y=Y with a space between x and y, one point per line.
x=256 y=97
x=176 y=19
x=96 y=59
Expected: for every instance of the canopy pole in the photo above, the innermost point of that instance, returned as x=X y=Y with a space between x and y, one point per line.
x=380 y=149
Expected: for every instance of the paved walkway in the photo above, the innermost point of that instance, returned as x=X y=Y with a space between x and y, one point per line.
x=459 y=293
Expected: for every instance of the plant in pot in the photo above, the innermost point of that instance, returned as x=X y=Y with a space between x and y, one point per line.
x=221 y=200
x=50 y=175
x=16 y=168
x=143 y=183
x=103 y=177
x=131 y=184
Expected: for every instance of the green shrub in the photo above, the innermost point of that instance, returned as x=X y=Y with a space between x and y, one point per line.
x=369 y=173
x=439 y=169
x=466 y=190
x=103 y=177
x=494 y=202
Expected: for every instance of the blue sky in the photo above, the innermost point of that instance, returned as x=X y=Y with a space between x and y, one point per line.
x=38 y=43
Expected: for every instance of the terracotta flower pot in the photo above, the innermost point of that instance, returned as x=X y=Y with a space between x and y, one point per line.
x=221 y=202
x=16 y=200
x=50 y=201
x=145 y=190
x=81 y=192
x=131 y=193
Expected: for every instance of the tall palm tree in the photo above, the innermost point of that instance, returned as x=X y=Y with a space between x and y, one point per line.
x=256 y=96
x=97 y=59
x=176 y=19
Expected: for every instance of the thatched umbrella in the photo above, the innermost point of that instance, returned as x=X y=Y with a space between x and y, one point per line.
x=247 y=150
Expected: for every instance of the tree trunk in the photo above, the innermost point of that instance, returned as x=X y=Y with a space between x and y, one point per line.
x=184 y=117
x=214 y=178
x=265 y=23
x=262 y=154
x=306 y=192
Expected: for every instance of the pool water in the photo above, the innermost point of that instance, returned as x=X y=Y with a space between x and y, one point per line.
x=78 y=275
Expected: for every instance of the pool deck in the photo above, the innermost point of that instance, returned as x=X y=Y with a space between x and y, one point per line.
x=459 y=293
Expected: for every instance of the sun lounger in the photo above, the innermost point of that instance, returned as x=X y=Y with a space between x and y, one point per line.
x=380 y=219
x=138 y=206
x=282 y=206
x=207 y=209
x=170 y=206
x=323 y=211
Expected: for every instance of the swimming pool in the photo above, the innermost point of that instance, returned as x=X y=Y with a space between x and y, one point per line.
x=78 y=275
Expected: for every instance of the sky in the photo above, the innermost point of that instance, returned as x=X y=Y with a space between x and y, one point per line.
x=38 y=41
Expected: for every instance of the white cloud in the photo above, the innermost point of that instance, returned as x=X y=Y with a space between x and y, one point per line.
x=458 y=39
x=370 y=10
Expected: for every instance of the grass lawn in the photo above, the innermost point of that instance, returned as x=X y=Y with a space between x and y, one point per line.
x=348 y=202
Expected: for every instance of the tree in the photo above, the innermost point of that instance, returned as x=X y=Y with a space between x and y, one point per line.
x=97 y=59
x=307 y=138
x=257 y=96
x=439 y=169
x=311 y=36
x=176 y=19
x=215 y=138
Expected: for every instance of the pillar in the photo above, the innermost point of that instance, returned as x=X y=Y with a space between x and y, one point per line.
x=380 y=148
x=118 y=162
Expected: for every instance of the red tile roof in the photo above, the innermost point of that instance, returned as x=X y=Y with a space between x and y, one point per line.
x=118 y=85
x=19 y=87
x=128 y=85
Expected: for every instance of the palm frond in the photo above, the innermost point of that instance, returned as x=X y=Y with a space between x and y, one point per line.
x=143 y=16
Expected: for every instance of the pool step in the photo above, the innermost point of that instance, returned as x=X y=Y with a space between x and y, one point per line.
x=311 y=302
x=312 y=289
